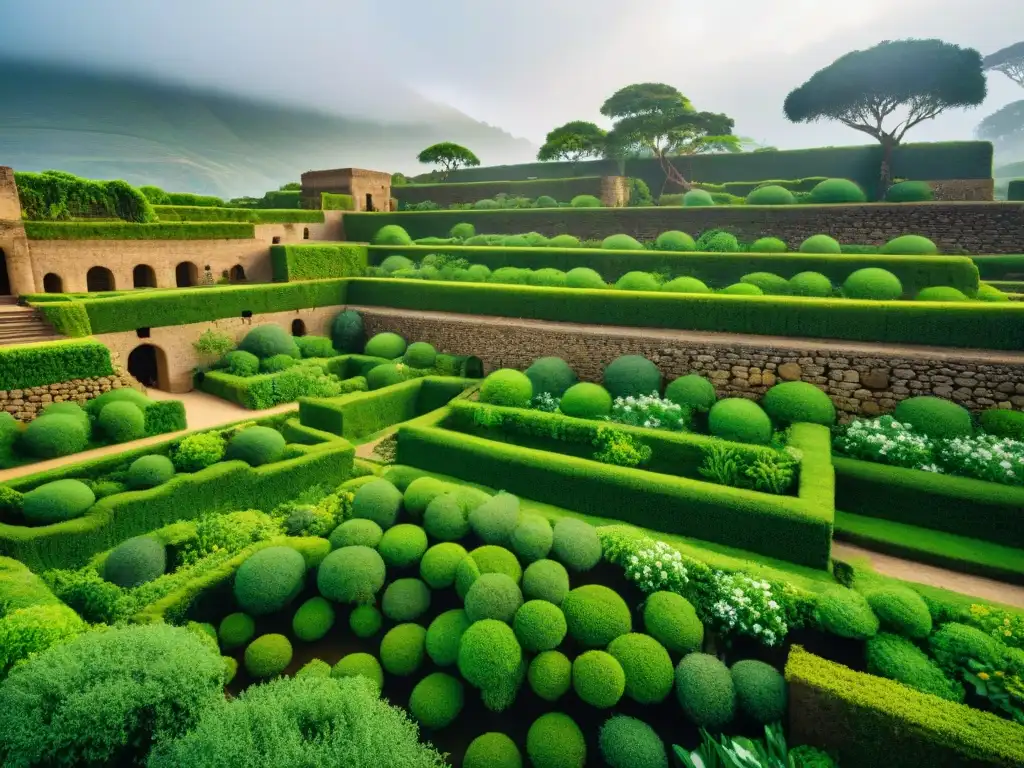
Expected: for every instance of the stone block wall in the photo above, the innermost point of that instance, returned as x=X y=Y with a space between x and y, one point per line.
x=862 y=379
x=25 y=404
x=563 y=190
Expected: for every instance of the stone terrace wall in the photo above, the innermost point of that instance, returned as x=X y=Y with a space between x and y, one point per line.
x=563 y=190
x=861 y=379
x=25 y=404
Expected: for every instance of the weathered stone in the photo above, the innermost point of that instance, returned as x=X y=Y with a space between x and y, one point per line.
x=876 y=378
x=790 y=372
x=851 y=377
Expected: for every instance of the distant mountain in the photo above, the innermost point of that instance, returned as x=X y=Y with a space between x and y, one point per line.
x=183 y=139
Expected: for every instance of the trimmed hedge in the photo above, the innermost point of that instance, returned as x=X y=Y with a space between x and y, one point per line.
x=245 y=215
x=868 y=720
x=265 y=390
x=1015 y=190
x=317 y=262
x=35 y=365
x=123 y=230
x=61 y=195
x=331 y=201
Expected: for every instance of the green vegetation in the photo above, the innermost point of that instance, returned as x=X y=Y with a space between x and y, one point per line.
x=119 y=230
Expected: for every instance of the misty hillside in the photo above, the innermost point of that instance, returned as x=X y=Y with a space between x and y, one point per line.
x=186 y=140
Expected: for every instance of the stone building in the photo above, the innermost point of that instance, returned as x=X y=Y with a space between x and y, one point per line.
x=370 y=190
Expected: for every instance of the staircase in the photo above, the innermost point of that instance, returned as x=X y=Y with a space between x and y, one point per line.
x=22 y=325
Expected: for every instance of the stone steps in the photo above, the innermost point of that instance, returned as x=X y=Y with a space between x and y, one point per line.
x=22 y=325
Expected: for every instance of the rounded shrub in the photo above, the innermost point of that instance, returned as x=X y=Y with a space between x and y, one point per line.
x=548 y=277
x=149 y=472
x=771 y=194
x=596 y=615
x=436 y=700
x=119 y=395
x=365 y=621
x=493 y=596
x=935 y=417
x=403 y=545
x=378 y=500
x=420 y=492
x=445 y=518
x=940 y=293
x=550 y=675
x=495 y=520
x=515 y=241
x=953 y=643
x=405 y=600
x=705 y=690
x=269 y=580
x=489 y=654
x=198 y=451
x=359 y=665
x=637 y=281
x=396 y=263
x=312 y=668
x=402 y=649
x=313 y=620
x=820 y=244
x=236 y=629
x=439 y=563
x=546 y=580
x=685 y=285
x=268 y=655
x=355 y=533
x=268 y=340
x=487 y=204
x=507 y=387
x=901 y=610
x=539 y=626
x=672 y=621
x=564 y=241
x=121 y=422
x=768 y=245
x=476 y=273
x=598 y=679
x=545 y=201
x=391 y=234
x=255 y=446
x=351 y=575
x=897 y=658
x=555 y=741
x=575 y=544
x=621 y=243
x=315 y=346
x=760 y=690
x=910 y=245
x=697 y=198
x=67 y=408
x=57 y=501
x=493 y=750
x=585 y=201
x=647 y=665
x=386 y=345
x=769 y=283
x=444 y=635
x=135 y=561
x=511 y=275
x=873 y=283
x=739 y=420
x=1003 y=422
x=238 y=362
x=812 y=284
x=674 y=240
x=794 y=401
x=419 y=354
x=910 y=192
x=846 y=613
x=837 y=191
x=626 y=742
x=692 y=391
x=586 y=401
x=550 y=374
x=532 y=538
x=277 y=363
x=988 y=292
x=348 y=332
x=718 y=241
x=384 y=375
x=584 y=277
x=632 y=375
x=485 y=559
x=742 y=289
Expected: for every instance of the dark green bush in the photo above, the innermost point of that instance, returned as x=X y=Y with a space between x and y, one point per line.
x=121 y=395
x=493 y=596
x=436 y=700
x=812 y=284
x=149 y=472
x=313 y=620
x=626 y=742
x=692 y=391
x=674 y=240
x=50 y=436
x=121 y=422
x=419 y=354
x=647 y=665
x=672 y=621
x=552 y=375
x=739 y=420
x=236 y=630
x=379 y=501
x=771 y=194
x=493 y=750
x=910 y=192
x=352 y=574
x=820 y=244
x=798 y=401
x=901 y=610
x=507 y=387
x=405 y=600
x=269 y=580
x=596 y=615
x=1003 y=423
x=57 y=501
x=241 y=363
x=255 y=446
x=555 y=741
x=585 y=201
x=873 y=283
x=697 y=198
x=705 y=690
x=575 y=544
x=632 y=375
x=444 y=635
x=760 y=690
x=910 y=245
x=489 y=655
x=269 y=340
x=598 y=679
x=362 y=665
x=445 y=518
x=837 y=191
x=315 y=346
x=953 y=644
x=846 y=613
x=268 y=655
x=899 y=659
x=348 y=332
x=135 y=561
x=67 y=409
x=546 y=580
x=387 y=345
x=550 y=675
x=934 y=416
x=365 y=621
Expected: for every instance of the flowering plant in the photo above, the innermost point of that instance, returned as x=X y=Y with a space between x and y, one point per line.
x=654 y=565
x=545 y=402
x=747 y=606
x=985 y=457
x=1004 y=626
x=886 y=441
x=650 y=411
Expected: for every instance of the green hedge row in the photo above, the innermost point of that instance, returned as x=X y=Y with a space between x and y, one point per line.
x=55 y=195
x=256 y=392
x=744 y=188
x=118 y=230
x=562 y=190
x=869 y=721
x=1016 y=190
x=68 y=318
x=35 y=365
x=716 y=269
x=317 y=262
x=20 y=588
x=158 y=197
x=959 y=505
x=794 y=529
x=999 y=267
x=331 y=201
x=248 y=215
x=968 y=325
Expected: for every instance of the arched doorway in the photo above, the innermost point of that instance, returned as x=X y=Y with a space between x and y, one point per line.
x=144 y=276
x=298 y=327
x=5 y=280
x=186 y=274
x=237 y=274
x=305 y=233
x=99 y=279
x=148 y=364
x=52 y=283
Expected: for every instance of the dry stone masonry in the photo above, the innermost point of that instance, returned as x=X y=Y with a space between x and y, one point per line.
x=25 y=404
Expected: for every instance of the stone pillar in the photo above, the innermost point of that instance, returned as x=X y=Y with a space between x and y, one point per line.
x=615 y=191
x=12 y=237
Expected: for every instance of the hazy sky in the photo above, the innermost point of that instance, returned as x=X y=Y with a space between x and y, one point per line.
x=525 y=65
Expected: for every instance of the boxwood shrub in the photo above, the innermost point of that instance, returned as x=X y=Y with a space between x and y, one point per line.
x=135 y=561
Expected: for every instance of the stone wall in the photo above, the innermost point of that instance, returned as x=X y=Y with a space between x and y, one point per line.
x=964 y=189
x=356 y=182
x=25 y=404
x=563 y=190
x=861 y=379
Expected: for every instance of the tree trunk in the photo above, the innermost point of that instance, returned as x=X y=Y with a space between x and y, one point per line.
x=671 y=174
x=885 y=174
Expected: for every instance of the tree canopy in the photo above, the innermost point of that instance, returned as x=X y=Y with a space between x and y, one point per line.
x=449 y=156
x=573 y=141
x=1009 y=61
x=1005 y=127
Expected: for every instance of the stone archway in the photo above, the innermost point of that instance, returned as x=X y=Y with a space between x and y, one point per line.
x=144 y=276
x=99 y=279
x=237 y=274
x=148 y=364
x=298 y=327
x=53 y=283
x=5 y=280
x=186 y=274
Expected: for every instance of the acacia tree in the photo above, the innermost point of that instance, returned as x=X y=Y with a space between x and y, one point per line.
x=886 y=90
x=1009 y=61
x=449 y=156
x=656 y=119
x=573 y=141
x=1005 y=127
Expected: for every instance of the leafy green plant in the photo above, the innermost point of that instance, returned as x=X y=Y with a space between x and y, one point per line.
x=213 y=344
x=737 y=751
x=1004 y=692
x=619 y=448
x=767 y=470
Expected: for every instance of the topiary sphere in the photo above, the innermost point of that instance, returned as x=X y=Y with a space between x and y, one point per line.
x=940 y=293
x=436 y=700
x=402 y=649
x=236 y=629
x=910 y=245
x=396 y=263
x=507 y=387
x=121 y=422
x=149 y=472
x=910 y=192
x=405 y=600
x=58 y=434
x=360 y=665
x=446 y=518
x=692 y=391
x=135 y=561
x=546 y=580
x=621 y=243
x=255 y=446
x=351 y=575
x=632 y=375
x=626 y=742
x=705 y=690
x=439 y=563
x=495 y=520
x=545 y=201
x=846 y=613
x=511 y=275
x=489 y=654
x=463 y=230
x=493 y=596
x=742 y=289
x=269 y=580
x=66 y=408
x=674 y=240
x=365 y=621
x=550 y=675
x=555 y=741
x=493 y=750
x=57 y=501
x=403 y=545
x=769 y=283
x=348 y=332
x=873 y=283
x=697 y=198
x=515 y=241
x=486 y=559
x=637 y=281
x=532 y=538
x=356 y=532
x=672 y=621
x=549 y=277
x=550 y=374
x=384 y=375
x=378 y=500
x=810 y=284
x=586 y=401
x=277 y=363
x=768 y=245
x=444 y=635
x=268 y=655
x=740 y=420
x=420 y=492
x=391 y=234
x=575 y=544
x=795 y=401
x=268 y=340
x=820 y=244
x=585 y=201
x=419 y=354
x=832 y=191
x=564 y=241
x=477 y=273
x=771 y=194
x=988 y=292
x=241 y=363
x=901 y=610
x=685 y=285
x=386 y=345
x=1003 y=422
x=760 y=691
x=598 y=679
x=539 y=626
x=648 y=668
x=939 y=419
x=313 y=620
x=596 y=615
x=312 y=668
x=584 y=277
